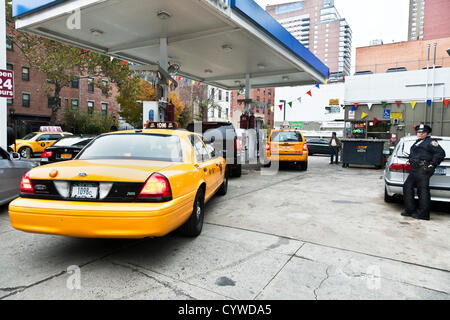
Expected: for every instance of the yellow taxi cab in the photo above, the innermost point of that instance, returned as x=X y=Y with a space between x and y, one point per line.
x=125 y=184
x=36 y=142
x=287 y=145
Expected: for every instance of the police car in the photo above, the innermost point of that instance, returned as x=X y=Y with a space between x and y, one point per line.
x=397 y=171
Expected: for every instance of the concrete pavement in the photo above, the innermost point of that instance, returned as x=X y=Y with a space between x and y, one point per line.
x=321 y=234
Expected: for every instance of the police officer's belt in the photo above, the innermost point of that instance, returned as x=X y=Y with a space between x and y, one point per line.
x=419 y=163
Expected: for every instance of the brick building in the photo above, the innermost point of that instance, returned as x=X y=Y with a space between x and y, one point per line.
x=429 y=19
x=30 y=107
x=411 y=55
x=264 y=97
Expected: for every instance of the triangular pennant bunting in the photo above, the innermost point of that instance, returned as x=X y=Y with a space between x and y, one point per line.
x=281 y=107
x=384 y=103
x=370 y=105
x=318 y=86
x=413 y=104
x=375 y=121
x=398 y=102
x=309 y=92
x=356 y=105
x=429 y=103
x=364 y=115
x=446 y=101
x=290 y=104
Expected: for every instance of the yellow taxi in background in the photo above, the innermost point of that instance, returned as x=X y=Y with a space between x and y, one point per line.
x=36 y=142
x=127 y=184
x=287 y=145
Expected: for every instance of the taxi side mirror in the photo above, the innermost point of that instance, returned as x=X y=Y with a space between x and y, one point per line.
x=15 y=156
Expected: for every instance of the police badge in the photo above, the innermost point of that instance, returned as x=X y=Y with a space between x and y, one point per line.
x=434 y=143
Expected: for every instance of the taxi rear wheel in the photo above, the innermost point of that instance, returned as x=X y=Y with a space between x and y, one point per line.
x=24 y=152
x=194 y=225
x=304 y=166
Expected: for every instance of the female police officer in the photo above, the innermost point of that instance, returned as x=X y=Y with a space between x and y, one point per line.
x=426 y=154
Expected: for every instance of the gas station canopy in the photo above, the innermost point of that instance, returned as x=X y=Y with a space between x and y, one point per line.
x=217 y=42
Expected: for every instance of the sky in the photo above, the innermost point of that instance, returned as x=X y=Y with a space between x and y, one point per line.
x=369 y=19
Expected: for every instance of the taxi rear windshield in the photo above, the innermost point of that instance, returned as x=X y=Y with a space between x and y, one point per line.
x=286 y=136
x=143 y=146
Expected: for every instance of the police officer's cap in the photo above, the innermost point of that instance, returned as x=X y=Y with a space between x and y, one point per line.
x=423 y=128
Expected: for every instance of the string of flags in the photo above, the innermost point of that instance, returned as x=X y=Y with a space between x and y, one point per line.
x=385 y=104
x=309 y=93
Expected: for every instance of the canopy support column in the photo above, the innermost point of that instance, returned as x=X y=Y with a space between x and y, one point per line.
x=164 y=64
x=248 y=94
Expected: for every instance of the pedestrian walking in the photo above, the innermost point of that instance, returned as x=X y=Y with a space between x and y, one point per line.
x=335 y=145
x=425 y=155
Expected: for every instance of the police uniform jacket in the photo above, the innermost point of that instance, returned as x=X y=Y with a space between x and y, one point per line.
x=427 y=150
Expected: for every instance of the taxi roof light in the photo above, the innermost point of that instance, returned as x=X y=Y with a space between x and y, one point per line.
x=25 y=184
x=156 y=187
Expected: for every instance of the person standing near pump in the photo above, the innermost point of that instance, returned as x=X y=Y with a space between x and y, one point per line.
x=335 y=145
x=426 y=154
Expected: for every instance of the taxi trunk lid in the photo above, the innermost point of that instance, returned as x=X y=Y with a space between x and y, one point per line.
x=101 y=170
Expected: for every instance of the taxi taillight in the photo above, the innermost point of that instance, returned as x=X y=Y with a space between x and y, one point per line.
x=237 y=143
x=156 y=187
x=25 y=184
x=305 y=147
x=267 y=146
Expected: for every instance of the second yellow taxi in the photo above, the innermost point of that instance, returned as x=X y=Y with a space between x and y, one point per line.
x=287 y=145
x=128 y=184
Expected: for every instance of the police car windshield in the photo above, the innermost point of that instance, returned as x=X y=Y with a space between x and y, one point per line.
x=405 y=149
x=157 y=147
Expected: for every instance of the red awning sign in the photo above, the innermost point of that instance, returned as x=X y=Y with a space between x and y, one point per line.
x=6 y=84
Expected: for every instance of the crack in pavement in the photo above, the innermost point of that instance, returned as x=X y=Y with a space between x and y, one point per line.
x=165 y=284
x=131 y=265
x=23 y=288
x=276 y=274
x=321 y=283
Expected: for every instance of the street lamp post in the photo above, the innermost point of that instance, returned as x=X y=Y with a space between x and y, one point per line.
x=284 y=108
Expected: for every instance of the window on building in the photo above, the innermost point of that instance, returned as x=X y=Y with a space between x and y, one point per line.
x=220 y=112
x=10 y=66
x=90 y=107
x=51 y=102
x=104 y=108
x=227 y=112
x=105 y=85
x=220 y=96
x=75 y=83
x=90 y=85
x=25 y=74
x=227 y=97
x=10 y=101
x=26 y=100
x=9 y=43
x=74 y=104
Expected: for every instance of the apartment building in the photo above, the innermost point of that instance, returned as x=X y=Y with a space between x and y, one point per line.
x=428 y=19
x=319 y=27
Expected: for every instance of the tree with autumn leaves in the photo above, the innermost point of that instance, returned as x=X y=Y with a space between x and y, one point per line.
x=61 y=64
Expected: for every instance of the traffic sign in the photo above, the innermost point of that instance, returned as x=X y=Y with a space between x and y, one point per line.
x=6 y=84
x=387 y=114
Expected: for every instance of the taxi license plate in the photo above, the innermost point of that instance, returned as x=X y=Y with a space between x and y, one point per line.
x=66 y=156
x=84 y=191
x=440 y=171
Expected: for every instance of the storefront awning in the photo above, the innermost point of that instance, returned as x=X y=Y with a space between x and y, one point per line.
x=217 y=42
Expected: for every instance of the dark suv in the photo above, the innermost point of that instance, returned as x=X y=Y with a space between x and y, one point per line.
x=226 y=143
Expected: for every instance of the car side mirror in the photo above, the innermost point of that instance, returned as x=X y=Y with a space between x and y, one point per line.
x=15 y=156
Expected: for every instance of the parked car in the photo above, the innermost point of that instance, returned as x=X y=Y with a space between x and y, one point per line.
x=226 y=143
x=287 y=146
x=12 y=168
x=35 y=143
x=65 y=149
x=126 y=184
x=399 y=69
x=318 y=146
x=397 y=171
